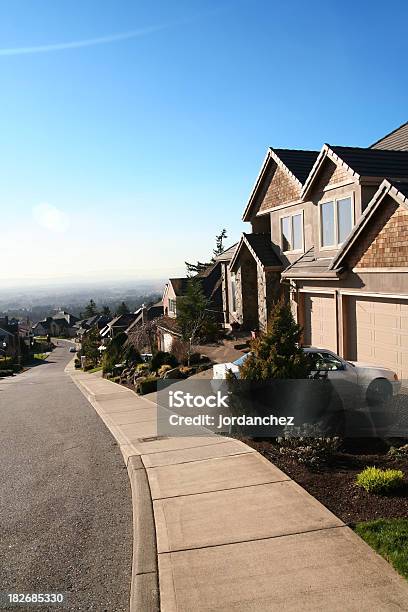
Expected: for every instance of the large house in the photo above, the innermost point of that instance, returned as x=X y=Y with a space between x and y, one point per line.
x=60 y=324
x=329 y=229
x=216 y=285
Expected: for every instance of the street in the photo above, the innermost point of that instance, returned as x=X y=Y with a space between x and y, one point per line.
x=65 y=503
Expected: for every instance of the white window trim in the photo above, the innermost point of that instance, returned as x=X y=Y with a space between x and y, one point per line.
x=336 y=244
x=291 y=215
x=173 y=300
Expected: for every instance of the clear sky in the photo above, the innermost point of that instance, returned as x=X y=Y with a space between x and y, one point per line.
x=131 y=131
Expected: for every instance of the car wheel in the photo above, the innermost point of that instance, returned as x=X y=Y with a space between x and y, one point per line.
x=379 y=392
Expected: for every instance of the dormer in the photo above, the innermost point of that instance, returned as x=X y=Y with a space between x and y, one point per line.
x=279 y=183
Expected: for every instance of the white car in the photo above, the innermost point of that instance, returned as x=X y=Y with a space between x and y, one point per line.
x=375 y=383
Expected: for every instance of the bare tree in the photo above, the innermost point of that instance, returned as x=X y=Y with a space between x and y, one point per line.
x=143 y=337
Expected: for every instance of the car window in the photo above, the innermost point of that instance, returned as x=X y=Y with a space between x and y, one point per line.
x=326 y=362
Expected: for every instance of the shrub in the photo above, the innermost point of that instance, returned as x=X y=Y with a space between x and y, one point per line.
x=186 y=371
x=375 y=480
x=147 y=385
x=277 y=353
x=162 y=358
x=163 y=369
x=88 y=366
x=300 y=444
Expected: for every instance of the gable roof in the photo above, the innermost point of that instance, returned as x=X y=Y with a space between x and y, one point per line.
x=397 y=139
x=360 y=162
x=295 y=162
x=227 y=254
x=179 y=285
x=260 y=247
x=398 y=190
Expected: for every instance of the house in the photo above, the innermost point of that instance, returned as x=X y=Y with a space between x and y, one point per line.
x=214 y=280
x=98 y=322
x=60 y=324
x=330 y=232
x=146 y=313
x=117 y=325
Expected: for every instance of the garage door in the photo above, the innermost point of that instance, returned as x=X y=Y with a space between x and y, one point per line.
x=320 y=321
x=378 y=333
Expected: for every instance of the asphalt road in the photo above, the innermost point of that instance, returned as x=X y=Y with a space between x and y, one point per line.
x=65 y=501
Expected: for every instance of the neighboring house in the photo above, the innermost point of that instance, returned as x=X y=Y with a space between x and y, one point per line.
x=228 y=293
x=167 y=332
x=61 y=324
x=117 y=325
x=146 y=313
x=62 y=314
x=53 y=327
x=216 y=287
x=330 y=230
x=174 y=289
x=98 y=322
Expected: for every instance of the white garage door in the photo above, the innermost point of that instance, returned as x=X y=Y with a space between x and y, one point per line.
x=320 y=321
x=378 y=333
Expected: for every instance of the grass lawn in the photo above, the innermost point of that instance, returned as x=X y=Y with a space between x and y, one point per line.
x=97 y=369
x=389 y=537
x=40 y=355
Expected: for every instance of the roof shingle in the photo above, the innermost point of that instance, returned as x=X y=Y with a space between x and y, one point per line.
x=374 y=162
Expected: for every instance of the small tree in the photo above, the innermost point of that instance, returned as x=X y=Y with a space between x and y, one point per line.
x=277 y=353
x=113 y=353
x=193 y=315
x=122 y=309
x=90 y=344
x=90 y=309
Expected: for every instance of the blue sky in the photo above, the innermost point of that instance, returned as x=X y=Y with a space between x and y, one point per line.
x=122 y=159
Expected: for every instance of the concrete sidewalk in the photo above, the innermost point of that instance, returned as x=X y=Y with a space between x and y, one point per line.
x=229 y=531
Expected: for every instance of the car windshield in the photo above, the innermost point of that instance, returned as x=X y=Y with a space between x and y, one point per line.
x=323 y=361
x=239 y=362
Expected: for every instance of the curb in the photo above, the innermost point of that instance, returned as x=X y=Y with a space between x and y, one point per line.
x=144 y=592
x=144 y=586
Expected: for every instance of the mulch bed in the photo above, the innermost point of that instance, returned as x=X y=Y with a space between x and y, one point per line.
x=334 y=486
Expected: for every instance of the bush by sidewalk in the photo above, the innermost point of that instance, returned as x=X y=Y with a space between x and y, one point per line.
x=375 y=480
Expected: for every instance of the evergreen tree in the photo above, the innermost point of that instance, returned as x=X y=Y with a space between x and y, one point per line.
x=277 y=353
x=106 y=311
x=122 y=309
x=90 y=309
x=219 y=243
x=89 y=346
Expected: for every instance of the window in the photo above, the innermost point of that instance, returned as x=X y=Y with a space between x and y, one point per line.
x=336 y=221
x=326 y=362
x=292 y=232
x=172 y=306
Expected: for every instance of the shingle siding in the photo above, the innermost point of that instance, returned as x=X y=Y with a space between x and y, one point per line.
x=385 y=242
x=281 y=190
